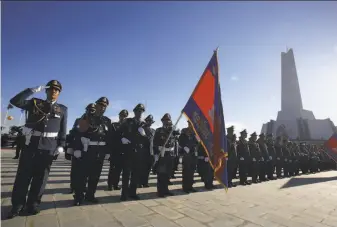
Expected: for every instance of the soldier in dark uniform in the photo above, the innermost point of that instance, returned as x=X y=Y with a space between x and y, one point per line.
x=244 y=157
x=255 y=157
x=147 y=156
x=279 y=156
x=205 y=168
x=164 y=154
x=232 y=155
x=304 y=158
x=133 y=139
x=188 y=144
x=45 y=132
x=272 y=157
x=99 y=147
x=115 y=169
x=286 y=157
x=265 y=160
x=82 y=131
x=296 y=159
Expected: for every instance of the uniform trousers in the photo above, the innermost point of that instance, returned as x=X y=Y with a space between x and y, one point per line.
x=34 y=167
x=115 y=169
x=189 y=165
x=130 y=171
x=164 y=170
x=94 y=160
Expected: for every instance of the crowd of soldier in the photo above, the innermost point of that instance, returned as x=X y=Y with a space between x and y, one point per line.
x=133 y=149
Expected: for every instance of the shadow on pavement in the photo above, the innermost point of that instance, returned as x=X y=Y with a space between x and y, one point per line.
x=295 y=182
x=102 y=200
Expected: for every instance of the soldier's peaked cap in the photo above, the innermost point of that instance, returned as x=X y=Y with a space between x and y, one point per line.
x=124 y=113
x=91 y=107
x=103 y=101
x=149 y=119
x=230 y=129
x=139 y=107
x=166 y=116
x=253 y=134
x=54 y=84
x=243 y=132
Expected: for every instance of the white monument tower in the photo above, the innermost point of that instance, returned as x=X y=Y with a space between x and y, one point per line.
x=293 y=121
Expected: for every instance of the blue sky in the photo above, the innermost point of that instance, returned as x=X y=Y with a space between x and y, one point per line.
x=155 y=52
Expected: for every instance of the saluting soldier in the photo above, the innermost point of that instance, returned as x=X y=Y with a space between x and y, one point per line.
x=244 y=157
x=147 y=156
x=45 y=132
x=116 y=158
x=232 y=155
x=99 y=147
x=279 y=156
x=164 y=155
x=78 y=148
x=265 y=160
x=188 y=144
x=255 y=157
x=133 y=137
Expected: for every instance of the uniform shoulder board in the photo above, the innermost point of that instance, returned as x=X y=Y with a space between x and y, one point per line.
x=107 y=119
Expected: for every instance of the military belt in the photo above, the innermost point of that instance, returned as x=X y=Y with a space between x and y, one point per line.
x=97 y=143
x=28 y=131
x=166 y=148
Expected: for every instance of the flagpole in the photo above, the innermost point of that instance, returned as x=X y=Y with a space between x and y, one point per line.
x=173 y=128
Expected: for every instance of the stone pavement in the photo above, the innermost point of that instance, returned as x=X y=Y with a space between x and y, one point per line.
x=309 y=200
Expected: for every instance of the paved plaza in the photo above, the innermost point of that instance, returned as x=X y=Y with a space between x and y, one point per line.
x=309 y=200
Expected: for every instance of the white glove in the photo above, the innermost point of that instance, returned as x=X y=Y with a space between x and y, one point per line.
x=278 y=158
x=125 y=141
x=262 y=159
x=107 y=156
x=85 y=142
x=187 y=150
x=59 y=150
x=141 y=131
x=286 y=160
x=156 y=157
x=70 y=151
x=77 y=154
x=254 y=160
x=206 y=159
x=242 y=159
x=270 y=158
x=39 y=88
x=196 y=153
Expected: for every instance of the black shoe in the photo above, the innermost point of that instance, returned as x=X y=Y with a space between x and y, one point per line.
x=169 y=194
x=71 y=191
x=116 y=188
x=160 y=195
x=139 y=186
x=134 y=197
x=15 y=211
x=109 y=188
x=193 y=190
x=146 y=186
x=123 y=198
x=91 y=199
x=170 y=183
x=173 y=177
x=243 y=183
x=16 y=157
x=186 y=191
x=33 y=210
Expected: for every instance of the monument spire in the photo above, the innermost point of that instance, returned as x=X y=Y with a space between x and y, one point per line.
x=291 y=95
